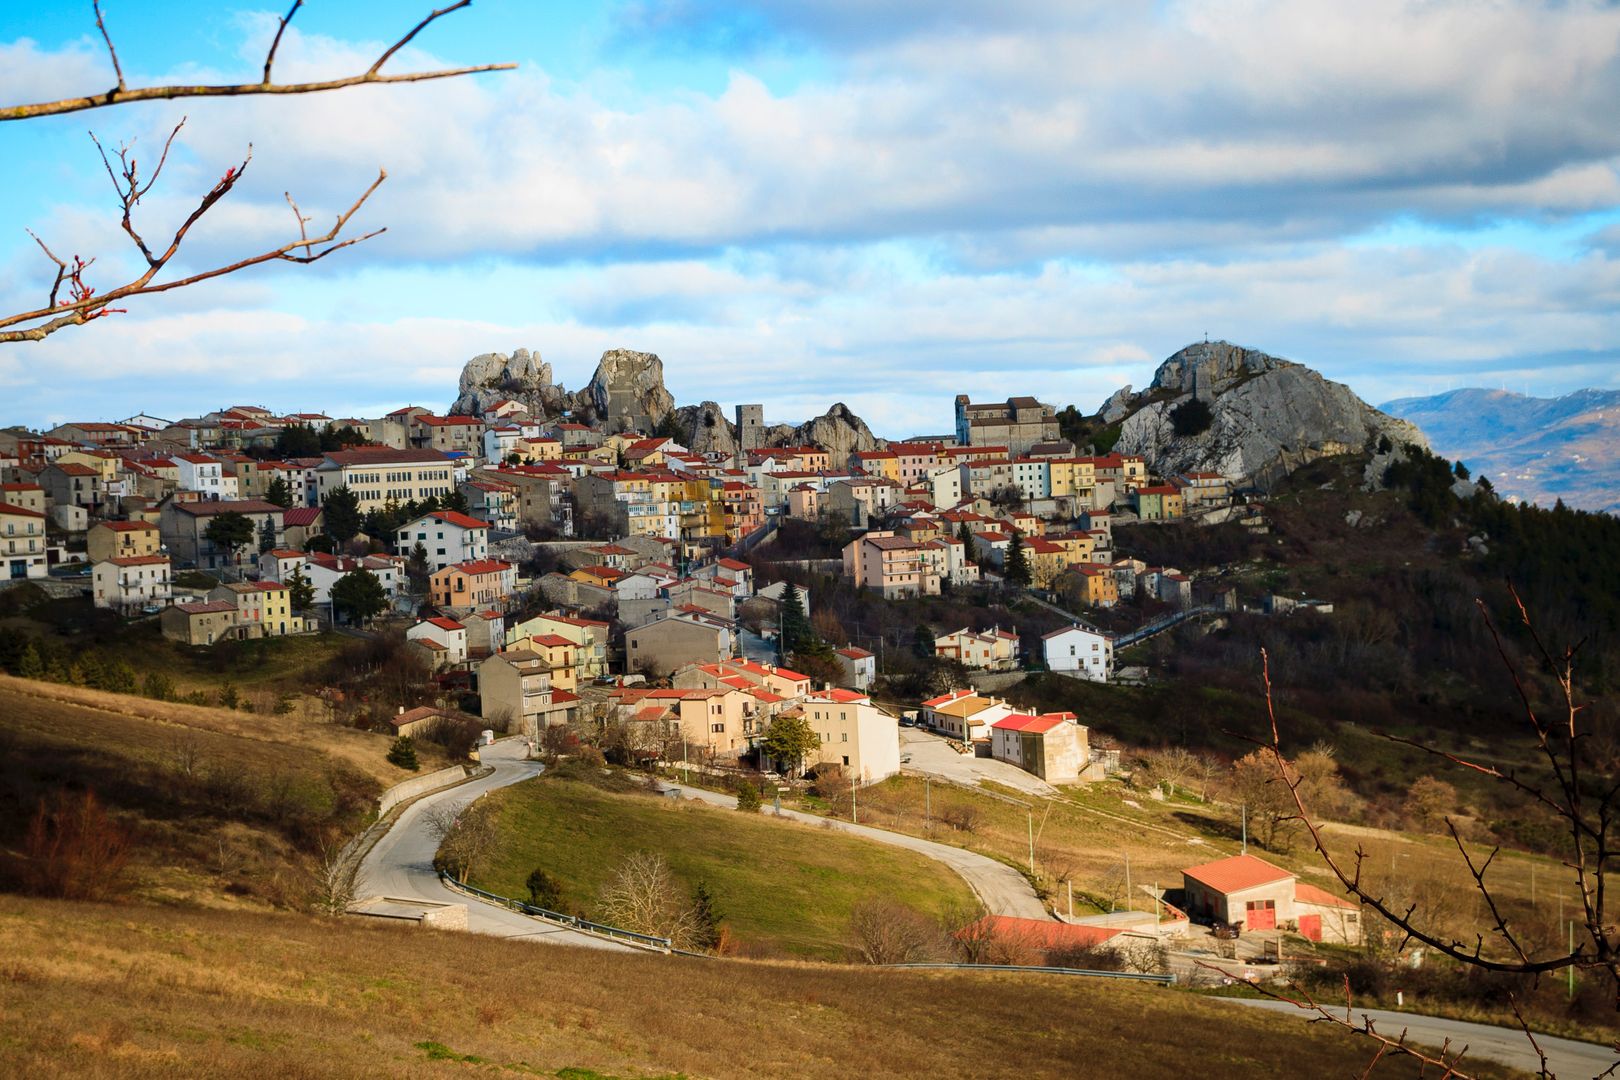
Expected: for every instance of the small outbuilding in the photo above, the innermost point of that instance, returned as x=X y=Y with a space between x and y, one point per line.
x=1249 y=892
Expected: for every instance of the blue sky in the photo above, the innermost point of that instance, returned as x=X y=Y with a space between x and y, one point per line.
x=800 y=203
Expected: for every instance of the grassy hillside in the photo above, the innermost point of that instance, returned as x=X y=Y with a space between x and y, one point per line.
x=218 y=806
x=783 y=888
x=98 y=991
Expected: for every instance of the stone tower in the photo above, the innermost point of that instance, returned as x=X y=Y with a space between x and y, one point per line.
x=750 y=427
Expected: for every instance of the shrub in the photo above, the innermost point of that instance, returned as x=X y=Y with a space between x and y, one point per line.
x=545 y=891
x=963 y=817
x=403 y=753
x=73 y=850
x=883 y=931
x=748 y=800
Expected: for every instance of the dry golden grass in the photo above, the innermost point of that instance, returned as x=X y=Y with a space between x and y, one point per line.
x=363 y=751
x=222 y=807
x=101 y=991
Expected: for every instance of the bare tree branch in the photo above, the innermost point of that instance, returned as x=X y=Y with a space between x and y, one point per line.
x=122 y=94
x=275 y=43
x=101 y=24
x=85 y=305
x=1448 y=1062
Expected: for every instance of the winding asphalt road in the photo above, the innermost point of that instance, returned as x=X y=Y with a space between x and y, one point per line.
x=400 y=864
x=1566 y=1058
x=1003 y=890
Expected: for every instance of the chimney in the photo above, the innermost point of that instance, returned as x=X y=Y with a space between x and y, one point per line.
x=401 y=711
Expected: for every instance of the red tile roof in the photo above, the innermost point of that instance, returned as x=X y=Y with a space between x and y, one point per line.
x=480 y=566
x=445 y=624
x=210 y=507
x=18 y=511
x=1306 y=893
x=127 y=526
x=1236 y=873
x=458 y=519
x=854 y=654
x=382 y=455
x=140 y=560
x=1040 y=934
x=301 y=516
x=1034 y=725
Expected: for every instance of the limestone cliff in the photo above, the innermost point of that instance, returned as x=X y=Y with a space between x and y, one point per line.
x=1268 y=416
x=627 y=392
x=705 y=429
x=838 y=430
x=522 y=377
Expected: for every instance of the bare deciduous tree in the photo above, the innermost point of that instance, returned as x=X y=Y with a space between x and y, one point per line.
x=645 y=898
x=72 y=300
x=1577 y=782
x=334 y=878
x=466 y=836
x=884 y=931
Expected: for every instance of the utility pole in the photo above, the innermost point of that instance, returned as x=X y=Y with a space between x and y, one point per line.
x=928 y=802
x=1130 y=902
x=1245 y=828
x=854 y=810
x=1031 y=814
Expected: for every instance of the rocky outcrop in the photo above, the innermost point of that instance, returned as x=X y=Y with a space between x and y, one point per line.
x=838 y=431
x=1269 y=416
x=705 y=429
x=627 y=392
x=1118 y=405
x=522 y=377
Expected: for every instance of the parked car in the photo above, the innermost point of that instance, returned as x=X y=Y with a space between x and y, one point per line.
x=1227 y=931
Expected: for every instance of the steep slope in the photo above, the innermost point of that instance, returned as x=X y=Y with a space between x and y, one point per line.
x=1268 y=416
x=1534 y=449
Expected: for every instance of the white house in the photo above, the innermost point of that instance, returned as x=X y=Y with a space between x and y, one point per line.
x=323 y=570
x=447 y=633
x=860 y=668
x=1081 y=651
x=448 y=536
x=854 y=734
x=203 y=474
x=134 y=581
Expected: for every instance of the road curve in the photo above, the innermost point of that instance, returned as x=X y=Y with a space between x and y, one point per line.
x=401 y=862
x=1003 y=890
x=1506 y=1046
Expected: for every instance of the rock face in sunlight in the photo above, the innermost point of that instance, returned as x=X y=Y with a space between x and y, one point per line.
x=627 y=392
x=1266 y=416
x=838 y=431
x=523 y=377
x=705 y=429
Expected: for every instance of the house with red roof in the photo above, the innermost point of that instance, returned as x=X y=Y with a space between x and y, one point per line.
x=984 y=650
x=855 y=735
x=476 y=584
x=859 y=667
x=1053 y=746
x=447 y=536
x=131 y=582
x=22 y=542
x=121 y=540
x=1248 y=891
x=448 y=634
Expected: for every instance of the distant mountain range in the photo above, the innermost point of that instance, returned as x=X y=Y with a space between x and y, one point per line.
x=1535 y=449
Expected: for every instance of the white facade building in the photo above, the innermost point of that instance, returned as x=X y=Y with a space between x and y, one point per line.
x=1080 y=650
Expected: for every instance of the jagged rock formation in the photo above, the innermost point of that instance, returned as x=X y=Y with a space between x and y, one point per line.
x=522 y=377
x=838 y=430
x=1118 y=405
x=1268 y=416
x=627 y=392
x=705 y=429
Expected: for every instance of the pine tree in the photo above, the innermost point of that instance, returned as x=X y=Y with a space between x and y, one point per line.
x=30 y=665
x=706 y=915
x=279 y=492
x=403 y=753
x=300 y=592
x=795 y=632
x=342 y=513
x=965 y=534
x=267 y=535
x=1016 y=567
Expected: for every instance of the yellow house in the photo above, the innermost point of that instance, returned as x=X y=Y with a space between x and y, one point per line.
x=263 y=608
x=558 y=653
x=589 y=637
x=122 y=540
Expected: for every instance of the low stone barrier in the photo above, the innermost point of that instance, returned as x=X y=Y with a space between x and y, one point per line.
x=420 y=785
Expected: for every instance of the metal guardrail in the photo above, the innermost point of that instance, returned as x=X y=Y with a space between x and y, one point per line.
x=1131 y=976
x=572 y=921
x=1159 y=626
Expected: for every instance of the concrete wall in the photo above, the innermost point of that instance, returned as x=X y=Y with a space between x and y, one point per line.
x=419 y=785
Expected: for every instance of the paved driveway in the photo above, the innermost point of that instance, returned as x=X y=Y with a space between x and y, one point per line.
x=931 y=754
x=1565 y=1057
x=1003 y=890
x=401 y=863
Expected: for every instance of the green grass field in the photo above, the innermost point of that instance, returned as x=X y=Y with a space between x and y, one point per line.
x=783 y=888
